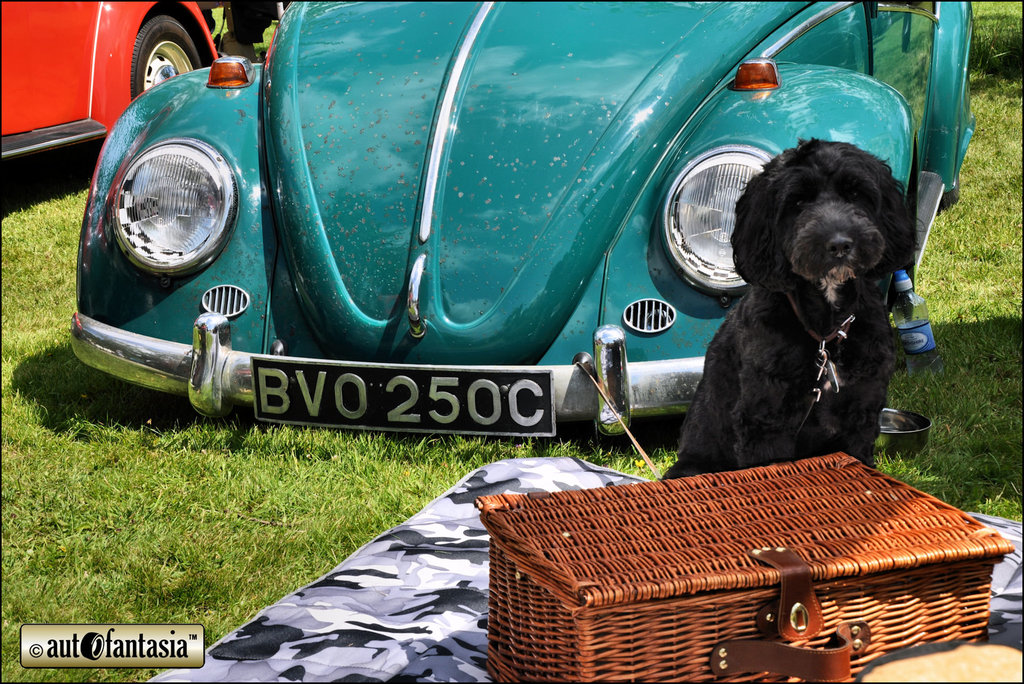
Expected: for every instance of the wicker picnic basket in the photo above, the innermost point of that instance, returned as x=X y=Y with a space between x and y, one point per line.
x=809 y=570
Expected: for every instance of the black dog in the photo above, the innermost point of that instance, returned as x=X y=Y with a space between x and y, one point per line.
x=801 y=365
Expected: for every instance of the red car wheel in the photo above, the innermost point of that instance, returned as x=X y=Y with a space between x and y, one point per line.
x=163 y=49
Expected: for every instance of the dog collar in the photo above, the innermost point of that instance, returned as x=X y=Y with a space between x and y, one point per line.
x=840 y=332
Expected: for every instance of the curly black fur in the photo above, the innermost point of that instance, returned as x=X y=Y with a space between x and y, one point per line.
x=824 y=222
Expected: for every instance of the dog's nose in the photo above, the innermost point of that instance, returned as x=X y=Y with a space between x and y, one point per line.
x=839 y=246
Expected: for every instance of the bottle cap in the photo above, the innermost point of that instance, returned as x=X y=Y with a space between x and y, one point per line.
x=902 y=281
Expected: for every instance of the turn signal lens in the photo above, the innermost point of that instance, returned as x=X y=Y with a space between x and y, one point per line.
x=230 y=72
x=757 y=74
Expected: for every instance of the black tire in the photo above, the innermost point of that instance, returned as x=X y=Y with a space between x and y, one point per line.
x=951 y=197
x=163 y=46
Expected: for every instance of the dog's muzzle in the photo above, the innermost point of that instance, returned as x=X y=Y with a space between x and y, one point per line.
x=833 y=242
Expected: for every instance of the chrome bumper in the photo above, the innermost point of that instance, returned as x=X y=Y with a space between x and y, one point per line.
x=215 y=378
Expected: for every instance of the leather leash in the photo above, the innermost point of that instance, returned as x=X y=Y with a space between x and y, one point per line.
x=825 y=366
x=608 y=402
x=840 y=332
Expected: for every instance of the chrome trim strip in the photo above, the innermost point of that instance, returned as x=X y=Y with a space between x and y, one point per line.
x=444 y=122
x=656 y=388
x=782 y=43
x=18 y=144
x=100 y=9
x=920 y=11
x=417 y=326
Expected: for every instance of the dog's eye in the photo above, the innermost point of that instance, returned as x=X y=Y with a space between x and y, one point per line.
x=851 y=192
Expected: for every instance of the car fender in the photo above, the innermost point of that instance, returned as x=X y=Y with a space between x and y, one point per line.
x=32 y=97
x=228 y=120
x=118 y=26
x=813 y=102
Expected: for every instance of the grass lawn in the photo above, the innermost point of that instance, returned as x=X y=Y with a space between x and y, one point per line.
x=122 y=505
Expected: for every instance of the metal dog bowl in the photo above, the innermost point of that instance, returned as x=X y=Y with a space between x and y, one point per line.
x=902 y=430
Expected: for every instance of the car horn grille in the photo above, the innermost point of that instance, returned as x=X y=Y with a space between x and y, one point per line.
x=649 y=316
x=229 y=300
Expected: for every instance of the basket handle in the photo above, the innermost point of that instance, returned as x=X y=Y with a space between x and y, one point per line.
x=829 y=664
x=797 y=614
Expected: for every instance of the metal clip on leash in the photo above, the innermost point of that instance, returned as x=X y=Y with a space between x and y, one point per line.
x=826 y=369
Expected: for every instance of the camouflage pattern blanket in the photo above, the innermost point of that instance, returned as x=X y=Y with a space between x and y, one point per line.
x=412 y=603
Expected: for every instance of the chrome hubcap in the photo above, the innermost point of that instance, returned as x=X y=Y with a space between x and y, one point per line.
x=166 y=60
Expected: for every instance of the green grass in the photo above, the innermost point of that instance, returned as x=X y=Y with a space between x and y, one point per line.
x=122 y=505
x=259 y=48
x=971 y=278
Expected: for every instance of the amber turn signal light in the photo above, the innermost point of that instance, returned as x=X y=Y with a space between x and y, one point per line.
x=230 y=72
x=757 y=74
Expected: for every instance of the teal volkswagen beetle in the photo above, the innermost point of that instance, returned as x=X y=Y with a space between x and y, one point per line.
x=483 y=218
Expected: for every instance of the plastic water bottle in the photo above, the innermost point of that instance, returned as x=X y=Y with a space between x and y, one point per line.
x=910 y=314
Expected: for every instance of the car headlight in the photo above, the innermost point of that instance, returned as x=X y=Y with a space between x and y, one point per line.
x=700 y=215
x=174 y=207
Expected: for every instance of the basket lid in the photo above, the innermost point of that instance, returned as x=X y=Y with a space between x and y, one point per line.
x=671 y=538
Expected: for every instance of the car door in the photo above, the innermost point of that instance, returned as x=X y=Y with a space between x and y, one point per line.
x=48 y=50
x=902 y=36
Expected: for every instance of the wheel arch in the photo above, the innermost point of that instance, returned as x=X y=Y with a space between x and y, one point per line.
x=814 y=101
x=191 y=18
x=117 y=30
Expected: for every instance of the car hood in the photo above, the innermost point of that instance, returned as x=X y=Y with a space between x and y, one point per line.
x=558 y=115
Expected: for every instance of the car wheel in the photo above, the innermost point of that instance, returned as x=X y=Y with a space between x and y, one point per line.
x=163 y=49
x=951 y=197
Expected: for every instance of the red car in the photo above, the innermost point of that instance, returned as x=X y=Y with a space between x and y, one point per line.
x=71 y=68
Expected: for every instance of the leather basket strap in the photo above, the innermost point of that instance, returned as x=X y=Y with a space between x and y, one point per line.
x=797 y=615
x=828 y=664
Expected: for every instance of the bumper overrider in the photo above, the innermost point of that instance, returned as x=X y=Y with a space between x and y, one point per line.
x=601 y=387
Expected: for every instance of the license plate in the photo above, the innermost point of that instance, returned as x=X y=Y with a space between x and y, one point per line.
x=478 y=401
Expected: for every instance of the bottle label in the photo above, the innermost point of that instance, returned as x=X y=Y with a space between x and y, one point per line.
x=917 y=337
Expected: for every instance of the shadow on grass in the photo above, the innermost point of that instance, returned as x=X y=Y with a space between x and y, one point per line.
x=69 y=392
x=982 y=359
x=47 y=175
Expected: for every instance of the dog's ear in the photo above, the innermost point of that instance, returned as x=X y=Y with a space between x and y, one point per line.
x=897 y=222
x=757 y=249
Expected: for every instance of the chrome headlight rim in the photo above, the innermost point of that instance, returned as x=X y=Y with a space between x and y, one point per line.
x=209 y=248
x=718 y=278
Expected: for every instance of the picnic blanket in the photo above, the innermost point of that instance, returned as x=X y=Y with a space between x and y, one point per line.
x=412 y=603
